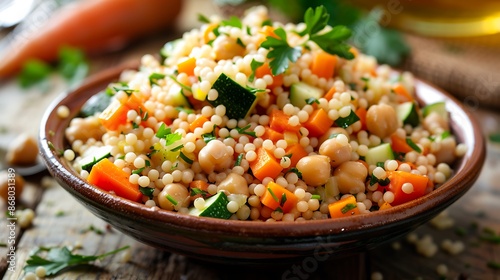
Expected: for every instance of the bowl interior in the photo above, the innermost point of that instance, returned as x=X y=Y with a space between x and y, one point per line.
x=229 y=236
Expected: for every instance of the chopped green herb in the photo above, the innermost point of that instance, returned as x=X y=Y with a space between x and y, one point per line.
x=280 y=52
x=125 y=89
x=60 y=213
x=171 y=199
x=203 y=19
x=296 y=171
x=233 y=21
x=312 y=100
x=163 y=131
x=94 y=229
x=138 y=171
x=154 y=77
x=135 y=125
x=267 y=22
x=186 y=110
x=72 y=64
x=183 y=86
x=147 y=191
x=348 y=207
x=197 y=191
x=239 y=42
x=207 y=137
x=33 y=72
x=347 y=121
x=272 y=194
x=55 y=260
x=254 y=65
x=316 y=196
x=283 y=199
x=243 y=130
x=494 y=137
x=172 y=137
x=238 y=160
x=413 y=145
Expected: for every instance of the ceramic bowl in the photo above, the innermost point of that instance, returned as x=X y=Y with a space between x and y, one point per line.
x=245 y=242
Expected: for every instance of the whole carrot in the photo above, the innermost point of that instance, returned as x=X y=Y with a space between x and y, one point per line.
x=93 y=26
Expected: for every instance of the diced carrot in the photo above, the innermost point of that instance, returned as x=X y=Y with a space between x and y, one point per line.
x=399 y=178
x=263 y=70
x=344 y=207
x=318 y=123
x=329 y=95
x=109 y=177
x=198 y=122
x=361 y=113
x=323 y=65
x=115 y=114
x=404 y=95
x=399 y=145
x=187 y=66
x=199 y=184
x=266 y=165
x=277 y=196
x=297 y=152
x=385 y=205
x=272 y=135
x=278 y=121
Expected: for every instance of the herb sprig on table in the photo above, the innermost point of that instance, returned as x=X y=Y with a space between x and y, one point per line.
x=57 y=259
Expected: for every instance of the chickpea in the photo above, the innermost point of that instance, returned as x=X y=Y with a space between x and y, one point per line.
x=234 y=183
x=337 y=152
x=22 y=151
x=227 y=48
x=315 y=169
x=332 y=131
x=435 y=123
x=215 y=156
x=4 y=185
x=84 y=129
x=176 y=192
x=381 y=120
x=446 y=152
x=351 y=176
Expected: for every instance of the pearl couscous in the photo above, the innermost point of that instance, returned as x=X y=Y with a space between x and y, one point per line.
x=253 y=120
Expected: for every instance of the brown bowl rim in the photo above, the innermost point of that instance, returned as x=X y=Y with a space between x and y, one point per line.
x=469 y=168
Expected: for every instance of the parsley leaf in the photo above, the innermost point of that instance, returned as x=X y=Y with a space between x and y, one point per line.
x=33 y=72
x=72 y=64
x=203 y=19
x=147 y=191
x=57 y=259
x=233 y=21
x=332 y=41
x=254 y=65
x=280 y=52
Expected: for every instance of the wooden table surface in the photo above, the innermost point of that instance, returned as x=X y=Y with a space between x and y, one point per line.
x=60 y=220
